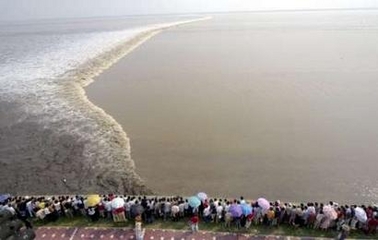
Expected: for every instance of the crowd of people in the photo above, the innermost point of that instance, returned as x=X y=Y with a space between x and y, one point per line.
x=236 y=213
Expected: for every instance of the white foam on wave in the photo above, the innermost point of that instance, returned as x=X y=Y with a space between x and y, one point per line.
x=26 y=65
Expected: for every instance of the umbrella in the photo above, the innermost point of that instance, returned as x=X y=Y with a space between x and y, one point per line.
x=246 y=209
x=330 y=212
x=41 y=205
x=93 y=200
x=117 y=203
x=4 y=197
x=263 y=203
x=194 y=201
x=202 y=196
x=360 y=214
x=175 y=209
x=311 y=210
x=236 y=210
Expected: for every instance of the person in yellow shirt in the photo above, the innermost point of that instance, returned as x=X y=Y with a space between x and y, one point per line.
x=270 y=215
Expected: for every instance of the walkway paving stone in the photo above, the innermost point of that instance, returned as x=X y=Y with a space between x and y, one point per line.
x=92 y=233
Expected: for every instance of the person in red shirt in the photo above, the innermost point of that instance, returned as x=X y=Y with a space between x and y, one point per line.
x=194 y=223
x=372 y=225
x=369 y=212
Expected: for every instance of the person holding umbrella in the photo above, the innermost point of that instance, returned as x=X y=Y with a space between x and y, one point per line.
x=236 y=212
x=194 y=202
x=117 y=205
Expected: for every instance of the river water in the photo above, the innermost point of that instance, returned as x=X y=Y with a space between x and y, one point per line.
x=274 y=104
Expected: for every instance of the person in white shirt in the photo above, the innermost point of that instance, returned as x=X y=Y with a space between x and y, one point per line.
x=207 y=214
x=91 y=214
x=216 y=201
x=219 y=213
x=46 y=211
x=10 y=209
x=30 y=208
x=151 y=204
x=182 y=209
x=127 y=209
x=108 y=208
x=174 y=212
x=75 y=204
x=57 y=207
x=167 y=209
x=227 y=207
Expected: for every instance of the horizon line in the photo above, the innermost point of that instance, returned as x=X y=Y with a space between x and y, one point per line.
x=186 y=13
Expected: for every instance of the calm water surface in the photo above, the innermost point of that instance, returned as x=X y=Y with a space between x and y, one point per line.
x=282 y=105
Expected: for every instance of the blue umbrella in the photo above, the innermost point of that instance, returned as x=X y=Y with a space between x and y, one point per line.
x=194 y=202
x=4 y=197
x=236 y=210
x=246 y=209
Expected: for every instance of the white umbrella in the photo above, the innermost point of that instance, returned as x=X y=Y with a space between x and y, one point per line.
x=311 y=210
x=175 y=209
x=117 y=203
x=360 y=214
x=202 y=196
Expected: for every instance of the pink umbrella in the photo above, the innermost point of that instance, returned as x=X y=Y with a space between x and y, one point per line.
x=330 y=212
x=263 y=203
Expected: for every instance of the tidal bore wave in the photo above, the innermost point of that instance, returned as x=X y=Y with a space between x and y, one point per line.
x=53 y=139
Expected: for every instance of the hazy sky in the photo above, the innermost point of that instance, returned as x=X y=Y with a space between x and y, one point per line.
x=36 y=9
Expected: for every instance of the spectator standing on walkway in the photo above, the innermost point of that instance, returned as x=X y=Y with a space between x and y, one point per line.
x=139 y=231
x=194 y=223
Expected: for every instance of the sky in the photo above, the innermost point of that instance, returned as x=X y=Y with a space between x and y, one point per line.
x=40 y=9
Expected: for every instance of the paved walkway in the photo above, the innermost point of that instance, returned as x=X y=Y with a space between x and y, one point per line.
x=66 y=233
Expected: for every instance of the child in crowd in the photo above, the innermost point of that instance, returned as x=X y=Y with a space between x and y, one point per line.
x=194 y=223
